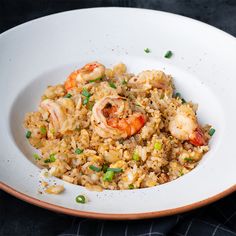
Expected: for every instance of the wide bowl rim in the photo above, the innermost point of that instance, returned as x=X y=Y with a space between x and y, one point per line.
x=111 y=216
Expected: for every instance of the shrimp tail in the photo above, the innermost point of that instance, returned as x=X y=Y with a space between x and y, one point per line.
x=71 y=81
x=83 y=75
x=197 y=138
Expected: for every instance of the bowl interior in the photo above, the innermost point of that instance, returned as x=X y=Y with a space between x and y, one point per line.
x=190 y=87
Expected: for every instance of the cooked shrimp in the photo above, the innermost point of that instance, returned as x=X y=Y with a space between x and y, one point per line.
x=112 y=117
x=184 y=126
x=90 y=71
x=67 y=104
x=57 y=114
x=151 y=79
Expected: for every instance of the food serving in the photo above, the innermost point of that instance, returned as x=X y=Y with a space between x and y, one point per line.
x=110 y=129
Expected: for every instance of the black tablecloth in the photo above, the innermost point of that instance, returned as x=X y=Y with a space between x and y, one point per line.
x=20 y=218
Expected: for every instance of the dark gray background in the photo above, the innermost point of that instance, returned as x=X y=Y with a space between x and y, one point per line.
x=220 y=13
x=20 y=218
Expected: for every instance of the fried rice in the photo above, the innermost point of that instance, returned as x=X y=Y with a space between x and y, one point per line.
x=84 y=142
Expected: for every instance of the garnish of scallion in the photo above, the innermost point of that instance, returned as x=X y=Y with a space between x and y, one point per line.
x=158 y=146
x=136 y=156
x=28 y=134
x=94 y=168
x=112 y=85
x=43 y=130
x=188 y=159
x=80 y=199
x=178 y=95
x=211 y=131
x=131 y=186
x=79 y=151
x=50 y=159
x=116 y=170
x=95 y=80
x=108 y=176
x=168 y=54
x=147 y=50
x=86 y=101
x=68 y=95
x=36 y=156
x=86 y=93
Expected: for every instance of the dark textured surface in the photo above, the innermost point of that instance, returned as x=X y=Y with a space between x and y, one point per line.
x=220 y=13
x=20 y=218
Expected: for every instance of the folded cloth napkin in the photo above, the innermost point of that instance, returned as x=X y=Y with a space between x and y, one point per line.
x=20 y=218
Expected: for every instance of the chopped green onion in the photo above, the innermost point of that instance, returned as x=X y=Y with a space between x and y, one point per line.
x=104 y=168
x=136 y=156
x=90 y=105
x=124 y=82
x=147 y=50
x=87 y=96
x=138 y=105
x=131 y=186
x=178 y=95
x=68 y=95
x=86 y=93
x=188 y=159
x=108 y=176
x=211 y=131
x=95 y=80
x=28 y=134
x=43 y=130
x=79 y=151
x=168 y=54
x=80 y=199
x=36 y=156
x=51 y=159
x=85 y=101
x=112 y=85
x=116 y=170
x=94 y=168
x=158 y=146
x=181 y=173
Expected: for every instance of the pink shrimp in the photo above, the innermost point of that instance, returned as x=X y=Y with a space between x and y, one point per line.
x=184 y=126
x=89 y=72
x=112 y=117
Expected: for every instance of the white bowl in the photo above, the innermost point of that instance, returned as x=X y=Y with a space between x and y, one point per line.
x=44 y=51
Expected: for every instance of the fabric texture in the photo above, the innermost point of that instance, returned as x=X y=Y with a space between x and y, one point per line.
x=20 y=218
